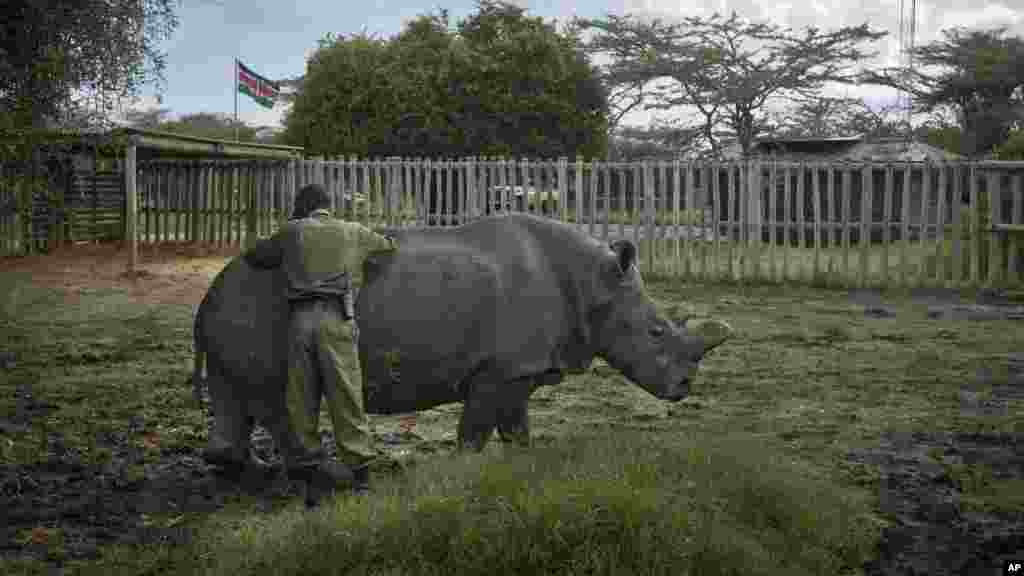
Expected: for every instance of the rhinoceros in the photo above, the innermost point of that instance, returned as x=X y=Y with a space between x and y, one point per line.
x=482 y=314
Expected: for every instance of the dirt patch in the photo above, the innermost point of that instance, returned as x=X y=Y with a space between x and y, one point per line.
x=175 y=274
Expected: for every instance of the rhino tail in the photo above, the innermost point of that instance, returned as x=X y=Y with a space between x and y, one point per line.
x=199 y=361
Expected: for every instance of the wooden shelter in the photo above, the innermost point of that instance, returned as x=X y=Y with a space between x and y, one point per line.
x=91 y=188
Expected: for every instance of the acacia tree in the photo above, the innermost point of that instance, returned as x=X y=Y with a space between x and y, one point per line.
x=727 y=69
x=659 y=140
x=58 y=58
x=978 y=74
x=826 y=117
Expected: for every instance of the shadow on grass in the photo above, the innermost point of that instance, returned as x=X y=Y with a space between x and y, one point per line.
x=613 y=503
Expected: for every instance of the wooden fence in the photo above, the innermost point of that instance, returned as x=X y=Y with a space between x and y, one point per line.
x=220 y=202
x=846 y=224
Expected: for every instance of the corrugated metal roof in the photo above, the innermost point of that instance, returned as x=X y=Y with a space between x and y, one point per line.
x=895 y=150
x=769 y=140
x=850 y=148
x=167 y=142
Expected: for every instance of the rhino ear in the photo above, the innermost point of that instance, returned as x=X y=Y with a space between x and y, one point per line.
x=625 y=255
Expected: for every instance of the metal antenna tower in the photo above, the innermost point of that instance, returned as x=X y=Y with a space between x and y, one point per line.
x=907 y=33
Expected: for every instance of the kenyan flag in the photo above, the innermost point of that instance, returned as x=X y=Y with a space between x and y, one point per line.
x=260 y=89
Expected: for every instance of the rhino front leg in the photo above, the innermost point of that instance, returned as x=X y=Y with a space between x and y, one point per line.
x=513 y=416
x=479 y=414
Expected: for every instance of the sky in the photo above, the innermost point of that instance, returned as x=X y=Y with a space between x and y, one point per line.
x=274 y=38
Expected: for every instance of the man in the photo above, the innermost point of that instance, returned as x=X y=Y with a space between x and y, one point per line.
x=321 y=255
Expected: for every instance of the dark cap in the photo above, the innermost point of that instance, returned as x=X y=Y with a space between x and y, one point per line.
x=311 y=197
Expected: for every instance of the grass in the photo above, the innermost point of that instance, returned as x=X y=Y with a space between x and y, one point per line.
x=612 y=503
x=98 y=365
x=749 y=476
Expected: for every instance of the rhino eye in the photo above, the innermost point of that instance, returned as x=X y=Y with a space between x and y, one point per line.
x=657 y=331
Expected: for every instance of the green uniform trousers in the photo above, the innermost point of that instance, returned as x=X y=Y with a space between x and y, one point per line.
x=323 y=360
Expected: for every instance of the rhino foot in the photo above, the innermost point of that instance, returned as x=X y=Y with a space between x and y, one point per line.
x=225 y=463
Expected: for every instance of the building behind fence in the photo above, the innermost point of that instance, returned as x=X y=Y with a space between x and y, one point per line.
x=842 y=223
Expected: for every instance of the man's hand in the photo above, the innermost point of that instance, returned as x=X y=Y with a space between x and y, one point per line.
x=267 y=253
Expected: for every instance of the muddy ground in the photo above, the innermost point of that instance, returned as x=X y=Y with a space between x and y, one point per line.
x=62 y=505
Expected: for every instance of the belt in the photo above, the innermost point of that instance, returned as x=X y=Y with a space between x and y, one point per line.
x=342 y=301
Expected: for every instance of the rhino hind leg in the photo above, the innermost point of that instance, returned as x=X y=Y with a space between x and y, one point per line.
x=229 y=442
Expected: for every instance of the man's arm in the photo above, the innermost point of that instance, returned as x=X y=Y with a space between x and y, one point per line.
x=267 y=253
x=371 y=241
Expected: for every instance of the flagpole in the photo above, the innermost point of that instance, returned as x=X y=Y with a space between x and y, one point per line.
x=234 y=86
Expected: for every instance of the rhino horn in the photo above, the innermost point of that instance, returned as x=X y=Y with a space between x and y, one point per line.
x=711 y=333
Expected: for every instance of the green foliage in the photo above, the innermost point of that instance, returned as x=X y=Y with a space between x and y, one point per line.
x=947 y=137
x=344 y=105
x=1012 y=148
x=98 y=50
x=500 y=83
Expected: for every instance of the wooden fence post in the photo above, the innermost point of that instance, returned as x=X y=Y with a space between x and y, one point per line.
x=940 y=226
x=195 y=174
x=714 y=186
x=1015 y=219
x=975 y=227
x=787 y=217
x=131 y=193
x=818 y=216
x=754 y=214
x=472 y=189
x=995 y=209
x=926 y=192
x=905 y=225
x=647 y=212
x=579 y=192
x=592 y=211
x=252 y=214
x=773 y=220
x=956 y=203
x=887 y=194
x=606 y=172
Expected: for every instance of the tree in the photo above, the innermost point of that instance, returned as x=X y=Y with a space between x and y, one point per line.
x=727 y=69
x=219 y=126
x=344 y=104
x=660 y=140
x=627 y=42
x=1013 y=148
x=58 y=58
x=826 y=117
x=536 y=84
x=496 y=83
x=978 y=74
x=210 y=125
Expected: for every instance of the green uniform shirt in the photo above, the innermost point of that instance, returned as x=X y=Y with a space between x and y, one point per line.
x=321 y=255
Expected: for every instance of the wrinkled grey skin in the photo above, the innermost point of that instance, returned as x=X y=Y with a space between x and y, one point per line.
x=240 y=335
x=481 y=314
